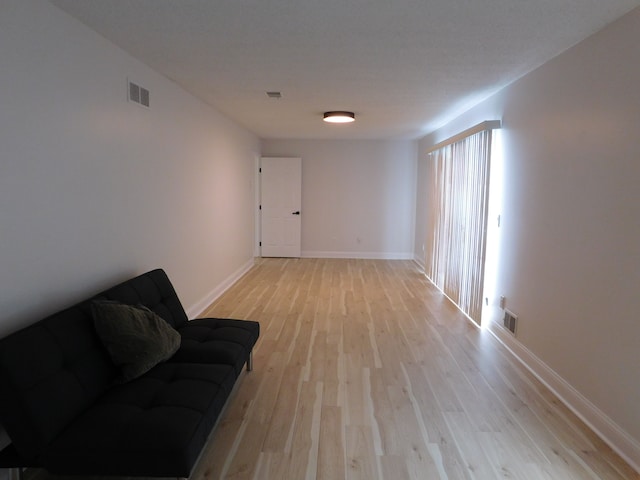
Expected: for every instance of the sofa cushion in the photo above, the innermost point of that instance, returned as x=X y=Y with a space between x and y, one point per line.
x=216 y=340
x=136 y=338
x=154 y=425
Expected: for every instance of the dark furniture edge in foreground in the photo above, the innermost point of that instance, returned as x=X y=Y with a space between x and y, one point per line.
x=65 y=411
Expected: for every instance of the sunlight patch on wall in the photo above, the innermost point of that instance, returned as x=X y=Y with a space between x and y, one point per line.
x=496 y=187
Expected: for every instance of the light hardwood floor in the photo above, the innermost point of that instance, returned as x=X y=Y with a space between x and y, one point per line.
x=365 y=371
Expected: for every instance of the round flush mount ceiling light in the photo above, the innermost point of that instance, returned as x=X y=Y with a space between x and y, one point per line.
x=339 y=117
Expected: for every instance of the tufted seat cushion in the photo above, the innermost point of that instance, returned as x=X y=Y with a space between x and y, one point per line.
x=216 y=340
x=155 y=425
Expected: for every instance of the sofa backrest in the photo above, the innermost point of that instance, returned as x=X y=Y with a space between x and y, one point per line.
x=53 y=370
x=153 y=290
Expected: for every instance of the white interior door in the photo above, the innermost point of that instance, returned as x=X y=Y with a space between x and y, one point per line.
x=280 y=200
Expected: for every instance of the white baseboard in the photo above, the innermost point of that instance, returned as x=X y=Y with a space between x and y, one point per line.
x=611 y=433
x=420 y=262
x=202 y=305
x=360 y=255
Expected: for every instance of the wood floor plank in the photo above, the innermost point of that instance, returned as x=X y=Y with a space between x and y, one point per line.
x=437 y=431
x=414 y=446
x=282 y=414
x=331 y=449
x=394 y=466
x=468 y=442
x=362 y=463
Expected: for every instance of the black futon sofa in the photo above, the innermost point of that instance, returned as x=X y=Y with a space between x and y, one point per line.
x=67 y=410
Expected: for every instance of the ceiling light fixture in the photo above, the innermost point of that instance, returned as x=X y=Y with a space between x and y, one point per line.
x=339 y=117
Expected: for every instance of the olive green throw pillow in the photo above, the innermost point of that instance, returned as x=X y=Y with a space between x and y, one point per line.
x=136 y=338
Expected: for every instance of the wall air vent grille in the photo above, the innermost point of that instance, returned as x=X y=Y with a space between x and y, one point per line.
x=138 y=94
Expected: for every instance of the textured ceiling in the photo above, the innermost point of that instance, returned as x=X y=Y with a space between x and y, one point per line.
x=404 y=66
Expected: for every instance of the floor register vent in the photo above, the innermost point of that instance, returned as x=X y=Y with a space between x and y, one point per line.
x=510 y=321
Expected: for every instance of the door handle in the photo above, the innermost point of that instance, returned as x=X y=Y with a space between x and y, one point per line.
x=296 y=213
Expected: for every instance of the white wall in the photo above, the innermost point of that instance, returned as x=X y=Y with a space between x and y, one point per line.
x=358 y=197
x=570 y=262
x=94 y=189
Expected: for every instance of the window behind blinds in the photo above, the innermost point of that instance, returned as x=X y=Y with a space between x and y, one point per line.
x=457 y=223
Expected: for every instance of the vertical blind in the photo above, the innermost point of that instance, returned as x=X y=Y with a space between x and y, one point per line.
x=457 y=221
